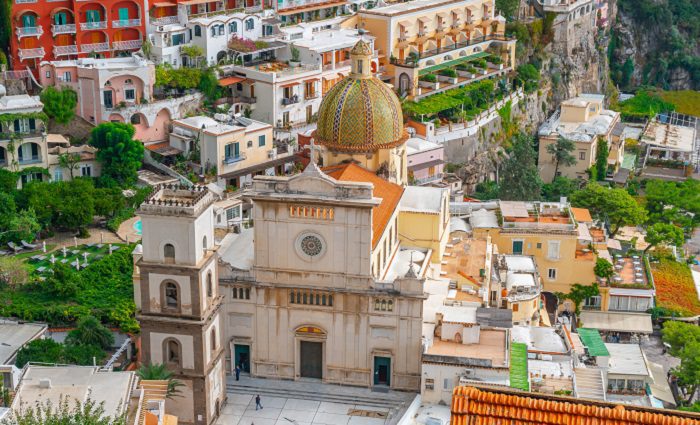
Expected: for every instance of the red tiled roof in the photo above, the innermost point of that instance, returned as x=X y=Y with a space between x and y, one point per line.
x=390 y=193
x=487 y=406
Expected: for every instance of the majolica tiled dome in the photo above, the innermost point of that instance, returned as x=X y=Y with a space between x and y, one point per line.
x=360 y=113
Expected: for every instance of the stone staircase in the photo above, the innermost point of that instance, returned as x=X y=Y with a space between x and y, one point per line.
x=589 y=383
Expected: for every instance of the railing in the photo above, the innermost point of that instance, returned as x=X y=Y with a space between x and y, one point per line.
x=63 y=29
x=25 y=1
x=115 y=356
x=234 y=159
x=94 y=47
x=298 y=70
x=243 y=99
x=15 y=75
x=413 y=61
x=100 y=25
x=127 y=45
x=65 y=50
x=287 y=4
x=125 y=23
x=29 y=31
x=424 y=180
x=312 y=95
x=538 y=226
x=31 y=53
x=591 y=307
x=165 y=20
x=32 y=160
x=290 y=100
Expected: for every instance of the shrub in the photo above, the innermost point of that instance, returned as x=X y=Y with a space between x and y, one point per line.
x=449 y=73
x=496 y=60
x=675 y=289
x=481 y=63
x=428 y=78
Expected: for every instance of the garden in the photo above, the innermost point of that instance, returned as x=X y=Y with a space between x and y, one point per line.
x=455 y=105
x=675 y=289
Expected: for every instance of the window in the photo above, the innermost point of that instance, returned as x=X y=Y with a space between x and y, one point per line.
x=249 y=24
x=197 y=31
x=178 y=39
x=135 y=119
x=446 y=384
x=130 y=94
x=429 y=384
x=213 y=31
x=553 y=250
x=516 y=307
x=539 y=245
x=221 y=29
x=171 y=296
x=233 y=213
x=241 y=293
x=359 y=66
x=232 y=27
x=383 y=305
x=581 y=156
x=517 y=247
x=592 y=303
x=552 y=274
x=210 y=286
x=310 y=298
x=204 y=242
x=261 y=140
x=57 y=173
x=86 y=170
x=172 y=352
x=213 y=339
x=169 y=253
x=67 y=76
x=249 y=144
x=231 y=151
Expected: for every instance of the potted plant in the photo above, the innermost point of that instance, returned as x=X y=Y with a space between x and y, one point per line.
x=448 y=75
x=294 y=61
x=429 y=81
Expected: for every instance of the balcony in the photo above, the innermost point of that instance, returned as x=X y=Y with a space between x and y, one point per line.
x=31 y=53
x=126 y=23
x=94 y=47
x=242 y=99
x=65 y=50
x=165 y=20
x=100 y=25
x=127 y=45
x=63 y=29
x=412 y=62
x=25 y=1
x=29 y=31
x=233 y=159
x=311 y=95
x=290 y=100
x=35 y=159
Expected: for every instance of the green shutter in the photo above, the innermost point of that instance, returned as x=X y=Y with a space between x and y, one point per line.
x=28 y=21
x=123 y=14
x=236 y=150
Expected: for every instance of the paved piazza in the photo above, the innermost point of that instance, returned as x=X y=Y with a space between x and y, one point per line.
x=240 y=410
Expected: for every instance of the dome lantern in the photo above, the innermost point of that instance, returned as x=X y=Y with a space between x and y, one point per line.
x=361 y=57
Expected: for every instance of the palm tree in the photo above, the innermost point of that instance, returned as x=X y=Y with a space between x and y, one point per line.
x=561 y=149
x=91 y=332
x=159 y=372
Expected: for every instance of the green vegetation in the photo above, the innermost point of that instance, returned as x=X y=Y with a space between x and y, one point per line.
x=520 y=179
x=578 y=293
x=562 y=151
x=685 y=101
x=684 y=339
x=509 y=8
x=473 y=98
x=118 y=152
x=665 y=233
x=59 y=104
x=487 y=190
x=674 y=203
x=160 y=372
x=561 y=186
x=50 y=351
x=675 y=289
x=90 y=332
x=428 y=78
x=180 y=78
x=645 y=104
x=528 y=77
x=448 y=73
x=616 y=206
x=601 y=159
x=603 y=269
x=104 y=290
x=75 y=412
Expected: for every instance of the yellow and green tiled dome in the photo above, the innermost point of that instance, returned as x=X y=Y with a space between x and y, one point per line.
x=360 y=115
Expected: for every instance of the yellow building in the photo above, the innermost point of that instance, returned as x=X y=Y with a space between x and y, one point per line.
x=424 y=36
x=424 y=219
x=520 y=288
x=236 y=150
x=585 y=121
x=548 y=231
x=369 y=128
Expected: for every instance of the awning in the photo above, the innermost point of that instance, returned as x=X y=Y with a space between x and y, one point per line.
x=660 y=388
x=260 y=167
x=425 y=18
x=613 y=321
x=193 y=2
x=284 y=86
x=164 y=149
x=229 y=81
x=593 y=341
x=405 y=23
x=425 y=165
x=631 y=292
x=330 y=77
x=443 y=15
x=583 y=233
x=56 y=139
x=311 y=80
x=449 y=64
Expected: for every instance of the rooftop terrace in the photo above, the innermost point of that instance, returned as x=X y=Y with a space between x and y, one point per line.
x=492 y=346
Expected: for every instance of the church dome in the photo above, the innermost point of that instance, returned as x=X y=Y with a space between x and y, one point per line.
x=360 y=113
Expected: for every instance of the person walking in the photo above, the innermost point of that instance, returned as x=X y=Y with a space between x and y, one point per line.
x=257 y=402
x=238 y=372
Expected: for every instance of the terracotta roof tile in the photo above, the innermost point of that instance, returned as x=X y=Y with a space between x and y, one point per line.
x=477 y=406
x=390 y=193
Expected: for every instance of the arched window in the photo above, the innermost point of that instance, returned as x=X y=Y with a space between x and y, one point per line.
x=210 y=286
x=169 y=253
x=197 y=31
x=172 y=352
x=171 y=295
x=136 y=119
x=213 y=339
x=390 y=305
x=291 y=297
x=249 y=24
x=232 y=27
x=204 y=242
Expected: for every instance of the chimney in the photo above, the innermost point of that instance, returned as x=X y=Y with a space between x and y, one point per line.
x=45 y=383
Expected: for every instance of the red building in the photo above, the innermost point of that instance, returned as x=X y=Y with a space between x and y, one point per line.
x=45 y=30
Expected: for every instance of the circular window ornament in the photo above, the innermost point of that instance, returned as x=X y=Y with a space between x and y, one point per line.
x=310 y=246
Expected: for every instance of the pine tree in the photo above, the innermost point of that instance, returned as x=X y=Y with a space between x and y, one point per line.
x=520 y=180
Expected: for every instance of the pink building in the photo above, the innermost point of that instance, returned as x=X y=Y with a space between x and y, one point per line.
x=601 y=13
x=425 y=161
x=118 y=90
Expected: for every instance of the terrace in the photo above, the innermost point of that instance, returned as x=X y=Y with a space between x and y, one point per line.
x=466 y=261
x=536 y=216
x=417 y=59
x=630 y=272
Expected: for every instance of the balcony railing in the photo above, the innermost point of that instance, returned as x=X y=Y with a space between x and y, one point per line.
x=29 y=31
x=125 y=23
x=63 y=29
x=31 y=53
x=242 y=99
x=290 y=100
x=94 y=47
x=65 y=50
x=100 y=25
x=311 y=95
x=289 y=4
x=424 y=180
x=127 y=45
x=165 y=20
x=25 y=1
x=32 y=160
x=233 y=159
x=413 y=61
